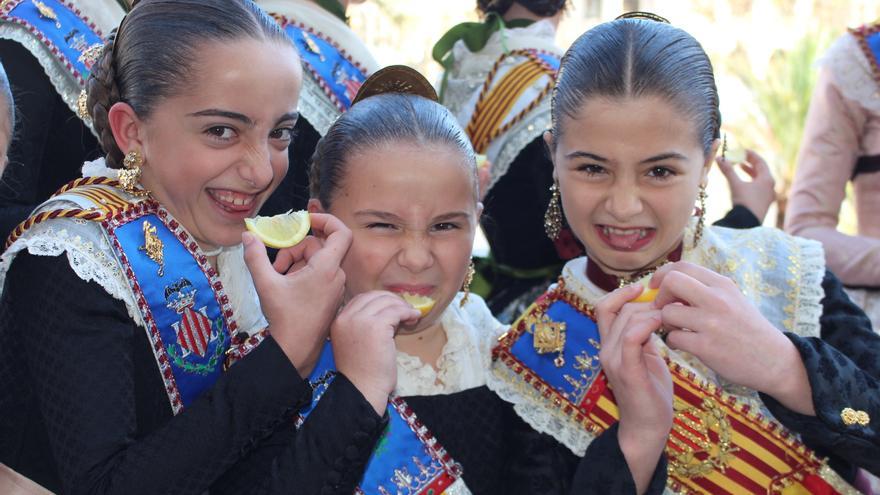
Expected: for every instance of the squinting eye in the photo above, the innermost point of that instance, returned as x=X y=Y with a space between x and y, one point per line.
x=446 y=226
x=378 y=225
x=221 y=132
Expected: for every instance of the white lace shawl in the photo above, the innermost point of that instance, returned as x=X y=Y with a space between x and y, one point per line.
x=781 y=274
x=852 y=72
x=470 y=70
x=471 y=332
x=93 y=259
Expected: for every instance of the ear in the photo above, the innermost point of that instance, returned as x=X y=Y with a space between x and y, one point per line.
x=710 y=158
x=315 y=206
x=550 y=141
x=479 y=210
x=127 y=128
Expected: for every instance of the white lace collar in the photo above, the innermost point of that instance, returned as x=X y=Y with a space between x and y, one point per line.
x=464 y=362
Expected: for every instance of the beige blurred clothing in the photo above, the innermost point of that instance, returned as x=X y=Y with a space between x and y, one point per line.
x=842 y=125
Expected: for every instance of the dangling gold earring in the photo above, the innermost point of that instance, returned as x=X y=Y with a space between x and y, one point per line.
x=553 y=215
x=130 y=175
x=701 y=215
x=466 y=286
x=724 y=147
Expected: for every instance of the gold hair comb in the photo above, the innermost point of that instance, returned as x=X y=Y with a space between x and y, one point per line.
x=648 y=16
x=396 y=79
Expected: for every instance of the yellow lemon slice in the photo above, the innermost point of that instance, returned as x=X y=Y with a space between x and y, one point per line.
x=648 y=294
x=280 y=231
x=422 y=303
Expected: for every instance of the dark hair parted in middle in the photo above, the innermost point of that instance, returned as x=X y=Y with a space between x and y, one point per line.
x=379 y=120
x=632 y=58
x=153 y=54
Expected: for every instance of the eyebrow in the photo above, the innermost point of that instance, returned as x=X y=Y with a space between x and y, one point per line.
x=384 y=215
x=672 y=155
x=216 y=112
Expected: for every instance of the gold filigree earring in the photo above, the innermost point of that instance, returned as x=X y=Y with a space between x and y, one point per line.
x=130 y=175
x=553 y=215
x=701 y=215
x=466 y=286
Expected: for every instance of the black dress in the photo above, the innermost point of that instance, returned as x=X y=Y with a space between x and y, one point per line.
x=50 y=143
x=83 y=408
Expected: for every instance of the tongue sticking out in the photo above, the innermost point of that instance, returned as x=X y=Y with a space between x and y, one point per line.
x=624 y=241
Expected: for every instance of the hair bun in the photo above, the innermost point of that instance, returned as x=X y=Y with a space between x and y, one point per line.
x=396 y=79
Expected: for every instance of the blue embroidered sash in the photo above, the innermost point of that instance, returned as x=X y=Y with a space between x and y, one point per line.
x=180 y=296
x=338 y=75
x=71 y=38
x=407 y=458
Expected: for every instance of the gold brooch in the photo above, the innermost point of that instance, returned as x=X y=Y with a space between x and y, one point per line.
x=549 y=336
x=153 y=247
x=47 y=13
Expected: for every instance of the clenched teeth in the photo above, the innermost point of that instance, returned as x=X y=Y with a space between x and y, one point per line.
x=615 y=231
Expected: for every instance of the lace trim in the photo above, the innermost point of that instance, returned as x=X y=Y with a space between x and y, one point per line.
x=315 y=106
x=90 y=263
x=514 y=140
x=457 y=488
x=852 y=72
x=533 y=409
x=471 y=332
x=64 y=82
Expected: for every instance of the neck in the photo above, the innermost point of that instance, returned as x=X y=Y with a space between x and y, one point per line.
x=609 y=280
x=517 y=11
x=426 y=344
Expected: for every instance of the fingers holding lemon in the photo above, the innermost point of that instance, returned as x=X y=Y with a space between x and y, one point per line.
x=280 y=231
x=648 y=294
x=422 y=303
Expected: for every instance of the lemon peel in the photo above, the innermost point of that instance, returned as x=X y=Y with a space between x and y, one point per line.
x=648 y=294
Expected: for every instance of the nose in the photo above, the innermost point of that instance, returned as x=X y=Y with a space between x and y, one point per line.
x=256 y=167
x=416 y=254
x=624 y=202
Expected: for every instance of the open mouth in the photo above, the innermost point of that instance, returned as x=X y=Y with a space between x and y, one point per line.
x=233 y=201
x=626 y=239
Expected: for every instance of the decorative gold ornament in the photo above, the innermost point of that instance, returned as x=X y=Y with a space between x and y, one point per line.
x=466 y=286
x=130 y=175
x=82 y=106
x=553 y=215
x=547 y=336
x=701 y=215
x=700 y=456
x=153 y=247
x=46 y=12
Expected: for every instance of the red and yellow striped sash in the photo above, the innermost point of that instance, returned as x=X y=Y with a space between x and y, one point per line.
x=102 y=192
x=494 y=103
x=718 y=443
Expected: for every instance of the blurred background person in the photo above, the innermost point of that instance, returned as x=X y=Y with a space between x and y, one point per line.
x=841 y=145
x=48 y=49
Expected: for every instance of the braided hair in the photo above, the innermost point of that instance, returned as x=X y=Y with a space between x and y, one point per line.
x=150 y=56
x=637 y=57
x=543 y=8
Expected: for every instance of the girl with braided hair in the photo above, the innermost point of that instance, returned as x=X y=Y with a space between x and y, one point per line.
x=135 y=314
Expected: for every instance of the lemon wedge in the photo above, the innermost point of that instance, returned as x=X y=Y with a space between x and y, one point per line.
x=281 y=231
x=648 y=294
x=422 y=303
